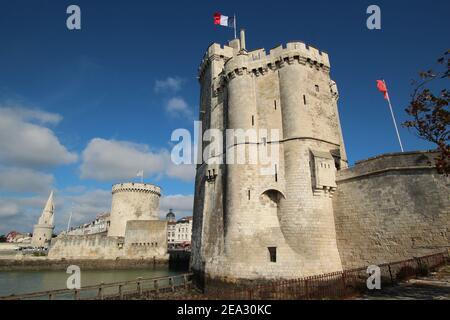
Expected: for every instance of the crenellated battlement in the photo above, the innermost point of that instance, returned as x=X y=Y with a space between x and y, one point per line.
x=214 y=52
x=136 y=187
x=259 y=62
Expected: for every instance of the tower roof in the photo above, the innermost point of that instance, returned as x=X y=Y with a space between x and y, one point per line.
x=49 y=206
x=170 y=214
x=47 y=217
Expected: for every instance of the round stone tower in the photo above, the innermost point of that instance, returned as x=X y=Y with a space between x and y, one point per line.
x=132 y=201
x=254 y=224
x=43 y=231
x=311 y=135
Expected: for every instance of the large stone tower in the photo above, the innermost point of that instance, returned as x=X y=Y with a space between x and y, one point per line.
x=43 y=231
x=248 y=224
x=130 y=202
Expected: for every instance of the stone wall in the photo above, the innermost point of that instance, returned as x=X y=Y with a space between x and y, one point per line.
x=146 y=239
x=391 y=207
x=86 y=247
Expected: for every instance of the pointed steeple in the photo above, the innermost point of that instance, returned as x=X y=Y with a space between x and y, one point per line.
x=47 y=214
x=49 y=207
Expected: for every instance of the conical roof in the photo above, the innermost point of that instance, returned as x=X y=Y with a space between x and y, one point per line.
x=47 y=214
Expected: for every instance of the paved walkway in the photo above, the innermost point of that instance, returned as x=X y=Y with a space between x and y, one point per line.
x=434 y=287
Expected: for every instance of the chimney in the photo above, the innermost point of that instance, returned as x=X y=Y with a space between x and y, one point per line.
x=243 y=39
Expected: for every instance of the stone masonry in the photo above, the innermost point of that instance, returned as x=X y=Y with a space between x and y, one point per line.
x=242 y=219
x=312 y=214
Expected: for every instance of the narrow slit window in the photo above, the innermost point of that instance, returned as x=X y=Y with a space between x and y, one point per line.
x=275 y=104
x=272 y=254
x=317 y=88
x=248 y=194
x=253 y=120
x=304 y=100
x=276 y=174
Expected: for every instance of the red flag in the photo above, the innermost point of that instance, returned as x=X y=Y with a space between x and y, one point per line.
x=382 y=87
x=217 y=16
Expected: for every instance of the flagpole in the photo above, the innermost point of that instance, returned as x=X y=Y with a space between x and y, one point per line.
x=235 y=34
x=393 y=119
x=70 y=218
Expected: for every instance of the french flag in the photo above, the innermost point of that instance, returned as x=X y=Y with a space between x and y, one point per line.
x=222 y=20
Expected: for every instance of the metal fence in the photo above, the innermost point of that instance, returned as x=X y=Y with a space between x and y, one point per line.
x=336 y=285
x=140 y=288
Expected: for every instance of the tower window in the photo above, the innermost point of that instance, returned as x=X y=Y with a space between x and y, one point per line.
x=253 y=120
x=275 y=104
x=304 y=100
x=248 y=194
x=272 y=254
x=276 y=174
x=317 y=88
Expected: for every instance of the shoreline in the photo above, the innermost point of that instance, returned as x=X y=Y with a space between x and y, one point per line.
x=45 y=264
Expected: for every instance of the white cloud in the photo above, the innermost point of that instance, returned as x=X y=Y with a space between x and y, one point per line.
x=24 y=180
x=178 y=107
x=8 y=209
x=106 y=160
x=23 y=143
x=32 y=115
x=21 y=214
x=85 y=207
x=182 y=205
x=112 y=160
x=172 y=84
x=185 y=172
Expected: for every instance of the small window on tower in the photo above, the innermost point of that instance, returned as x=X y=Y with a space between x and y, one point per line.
x=304 y=100
x=272 y=254
x=317 y=88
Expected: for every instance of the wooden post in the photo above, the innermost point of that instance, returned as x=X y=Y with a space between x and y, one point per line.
x=156 y=285
x=139 y=287
x=344 y=284
x=100 y=291
x=120 y=292
x=306 y=289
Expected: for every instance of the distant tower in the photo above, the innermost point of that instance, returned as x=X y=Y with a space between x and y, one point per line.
x=130 y=202
x=170 y=216
x=43 y=231
x=254 y=226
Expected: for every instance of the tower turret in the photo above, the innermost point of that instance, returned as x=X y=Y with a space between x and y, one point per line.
x=43 y=231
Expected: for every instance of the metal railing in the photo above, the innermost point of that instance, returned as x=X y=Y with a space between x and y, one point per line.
x=335 y=285
x=140 y=288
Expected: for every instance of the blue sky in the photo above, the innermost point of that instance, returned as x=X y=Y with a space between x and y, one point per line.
x=81 y=110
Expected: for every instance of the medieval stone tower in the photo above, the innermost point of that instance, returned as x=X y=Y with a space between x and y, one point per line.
x=131 y=202
x=43 y=231
x=250 y=225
